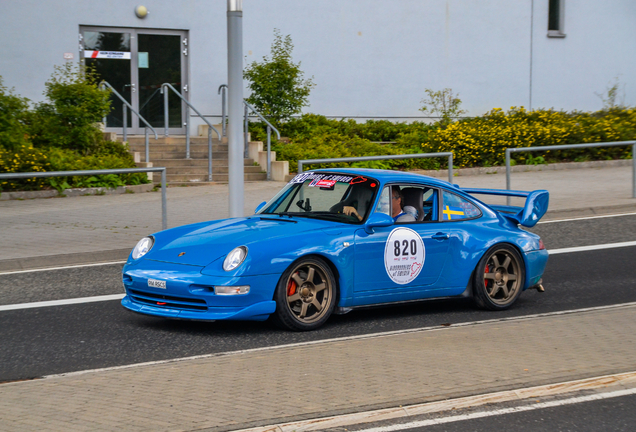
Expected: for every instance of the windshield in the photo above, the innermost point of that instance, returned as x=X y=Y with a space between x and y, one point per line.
x=331 y=196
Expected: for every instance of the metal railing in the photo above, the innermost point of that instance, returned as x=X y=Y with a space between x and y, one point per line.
x=301 y=163
x=187 y=124
x=162 y=170
x=569 y=147
x=223 y=92
x=125 y=107
x=249 y=107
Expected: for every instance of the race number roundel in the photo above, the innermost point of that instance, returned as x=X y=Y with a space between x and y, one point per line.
x=404 y=255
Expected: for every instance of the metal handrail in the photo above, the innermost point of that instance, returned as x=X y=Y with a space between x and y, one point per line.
x=222 y=91
x=568 y=147
x=187 y=124
x=269 y=136
x=162 y=170
x=385 y=157
x=126 y=105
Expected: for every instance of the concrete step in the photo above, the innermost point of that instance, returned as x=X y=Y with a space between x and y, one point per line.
x=170 y=152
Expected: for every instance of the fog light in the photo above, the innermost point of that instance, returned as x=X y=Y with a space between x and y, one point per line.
x=231 y=290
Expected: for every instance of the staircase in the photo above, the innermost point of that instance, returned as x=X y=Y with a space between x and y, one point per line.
x=170 y=152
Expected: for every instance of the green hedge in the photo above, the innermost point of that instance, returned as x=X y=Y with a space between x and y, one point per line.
x=481 y=141
x=60 y=134
x=475 y=142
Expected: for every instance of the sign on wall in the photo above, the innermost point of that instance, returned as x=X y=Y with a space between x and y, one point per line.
x=107 y=54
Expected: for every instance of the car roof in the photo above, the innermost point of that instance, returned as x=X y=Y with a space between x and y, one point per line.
x=388 y=176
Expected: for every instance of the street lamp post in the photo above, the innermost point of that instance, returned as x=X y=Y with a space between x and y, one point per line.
x=235 y=105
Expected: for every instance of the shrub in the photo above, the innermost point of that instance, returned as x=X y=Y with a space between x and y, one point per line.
x=278 y=88
x=68 y=160
x=23 y=159
x=482 y=141
x=335 y=145
x=74 y=104
x=13 y=120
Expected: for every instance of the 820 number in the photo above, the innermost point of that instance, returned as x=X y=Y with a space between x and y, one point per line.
x=403 y=249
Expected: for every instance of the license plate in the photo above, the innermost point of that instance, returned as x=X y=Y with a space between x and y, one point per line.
x=156 y=283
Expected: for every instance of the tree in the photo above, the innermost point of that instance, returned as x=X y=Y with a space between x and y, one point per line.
x=444 y=103
x=278 y=88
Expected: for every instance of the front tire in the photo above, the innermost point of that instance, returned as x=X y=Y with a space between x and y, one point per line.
x=305 y=296
x=499 y=277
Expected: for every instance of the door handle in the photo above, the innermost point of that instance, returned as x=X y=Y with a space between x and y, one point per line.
x=440 y=236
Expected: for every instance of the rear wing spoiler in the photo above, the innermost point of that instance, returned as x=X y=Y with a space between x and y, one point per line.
x=535 y=207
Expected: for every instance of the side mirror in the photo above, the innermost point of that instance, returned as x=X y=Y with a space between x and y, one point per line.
x=377 y=220
x=260 y=206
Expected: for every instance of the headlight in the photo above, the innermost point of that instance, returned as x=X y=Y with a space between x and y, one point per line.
x=235 y=258
x=142 y=248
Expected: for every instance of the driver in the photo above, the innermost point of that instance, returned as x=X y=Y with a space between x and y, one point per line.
x=398 y=213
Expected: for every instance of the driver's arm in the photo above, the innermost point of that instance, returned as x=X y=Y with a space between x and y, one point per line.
x=351 y=211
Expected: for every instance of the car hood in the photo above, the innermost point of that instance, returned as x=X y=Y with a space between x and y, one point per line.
x=202 y=243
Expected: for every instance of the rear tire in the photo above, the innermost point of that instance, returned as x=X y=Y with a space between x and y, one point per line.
x=499 y=277
x=305 y=296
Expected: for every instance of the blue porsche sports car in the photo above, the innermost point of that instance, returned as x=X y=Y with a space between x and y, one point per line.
x=334 y=240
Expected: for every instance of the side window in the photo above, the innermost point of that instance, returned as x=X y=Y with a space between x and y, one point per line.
x=384 y=204
x=455 y=207
x=409 y=203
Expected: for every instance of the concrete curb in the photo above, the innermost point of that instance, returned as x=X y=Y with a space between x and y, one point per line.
x=75 y=192
x=404 y=412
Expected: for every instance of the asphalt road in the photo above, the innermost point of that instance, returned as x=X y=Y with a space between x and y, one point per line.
x=58 y=339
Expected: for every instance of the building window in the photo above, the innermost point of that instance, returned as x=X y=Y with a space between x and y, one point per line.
x=555 y=18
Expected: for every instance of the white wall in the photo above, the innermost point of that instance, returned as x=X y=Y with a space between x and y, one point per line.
x=370 y=58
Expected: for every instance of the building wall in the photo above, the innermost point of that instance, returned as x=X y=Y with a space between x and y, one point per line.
x=368 y=58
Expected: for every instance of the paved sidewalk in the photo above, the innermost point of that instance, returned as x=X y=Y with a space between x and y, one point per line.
x=58 y=231
x=268 y=386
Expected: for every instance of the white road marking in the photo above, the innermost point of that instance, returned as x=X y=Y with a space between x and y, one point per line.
x=62 y=268
x=591 y=247
x=62 y=302
x=586 y=218
x=503 y=411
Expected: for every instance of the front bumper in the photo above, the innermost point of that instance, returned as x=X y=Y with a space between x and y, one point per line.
x=190 y=295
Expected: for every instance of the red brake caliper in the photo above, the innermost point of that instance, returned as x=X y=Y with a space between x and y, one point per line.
x=486 y=280
x=291 y=288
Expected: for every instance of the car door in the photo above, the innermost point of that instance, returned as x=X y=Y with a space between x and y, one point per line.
x=401 y=258
x=458 y=219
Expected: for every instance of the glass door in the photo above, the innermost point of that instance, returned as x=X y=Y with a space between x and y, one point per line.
x=160 y=62
x=109 y=54
x=136 y=62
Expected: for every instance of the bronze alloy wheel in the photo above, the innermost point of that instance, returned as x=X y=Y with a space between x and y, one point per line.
x=499 y=278
x=305 y=295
